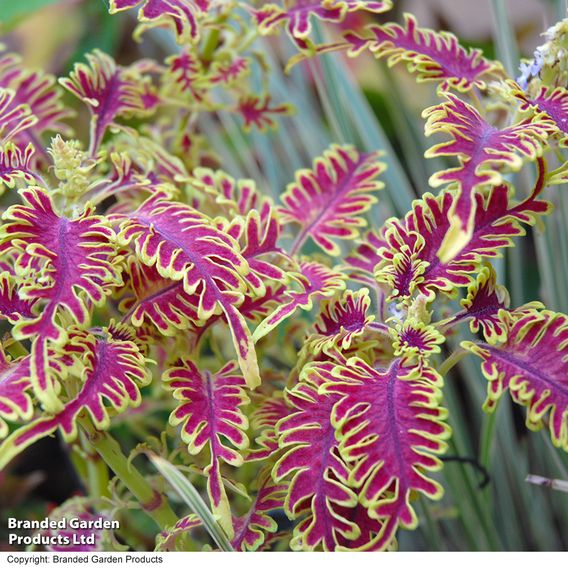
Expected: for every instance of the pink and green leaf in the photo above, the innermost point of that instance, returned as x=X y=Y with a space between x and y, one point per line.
x=362 y=261
x=15 y=118
x=318 y=490
x=328 y=200
x=298 y=17
x=483 y=150
x=317 y=280
x=184 y=245
x=552 y=101
x=158 y=300
x=391 y=427
x=210 y=416
x=258 y=233
x=108 y=369
x=485 y=299
x=269 y=411
x=237 y=197
x=341 y=322
x=260 y=112
x=110 y=92
x=76 y=257
x=38 y=92
x=416 y=339
x=432 y=56
x=169 y=540
x=15 y=391
x=16 y=164
x=410 y=260
x=179 y=15
x=13 y=306
x=532 y=364
x=251 y=529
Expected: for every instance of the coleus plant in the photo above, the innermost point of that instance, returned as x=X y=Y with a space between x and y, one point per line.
x=301 y=359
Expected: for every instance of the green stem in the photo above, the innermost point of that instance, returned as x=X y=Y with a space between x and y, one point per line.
x=452 y=361
x=152 y=502
x=211 y=44
x=487 y=439
x=96 y=469
x=15 y=348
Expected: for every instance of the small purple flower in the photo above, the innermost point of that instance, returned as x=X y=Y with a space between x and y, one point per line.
x=530 y=69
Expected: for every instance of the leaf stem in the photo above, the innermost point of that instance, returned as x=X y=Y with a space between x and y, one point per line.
x=211 y=44
x=299 y=242
x=152 y=502
x=97 y=470
x=453 y=359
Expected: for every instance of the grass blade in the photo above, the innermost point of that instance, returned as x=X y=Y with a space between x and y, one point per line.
x=193 y=500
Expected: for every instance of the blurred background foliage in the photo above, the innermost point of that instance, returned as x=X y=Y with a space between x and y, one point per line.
x=364 y=102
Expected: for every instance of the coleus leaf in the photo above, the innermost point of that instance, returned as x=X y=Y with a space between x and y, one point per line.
x=317 y=281
x=184 y=245
x=16 y=164
x=180 y=15
x=318 y=488
x=15 y=391
x=258 y=234
x=237 y=197
x=482 y=304
x=340 y=322
x=148 y=157
x=107 y=367
x=67 y=264
x=78 y=538
x=13 y=306
x=37 y=91
x=123 y=181
x=297 y=18
x=269 y=411
x=210 y=415
x=369 y=529
x=362 y=261
x=186 y=71
x=158 y=300
x=532 y=364
x=416 y=339
x=481 y=148
x=164 y=304
x=253 y=309
x=328 y=200
x=228 y=69
x=251 y=528
x=486 y=307
x=410 y=262
x=168 y=540
x=552 y=101
x=391 y=426
x=431 y=55
x=110 y=92
x=258 y=112
x=15 y=118
x=76 y=257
